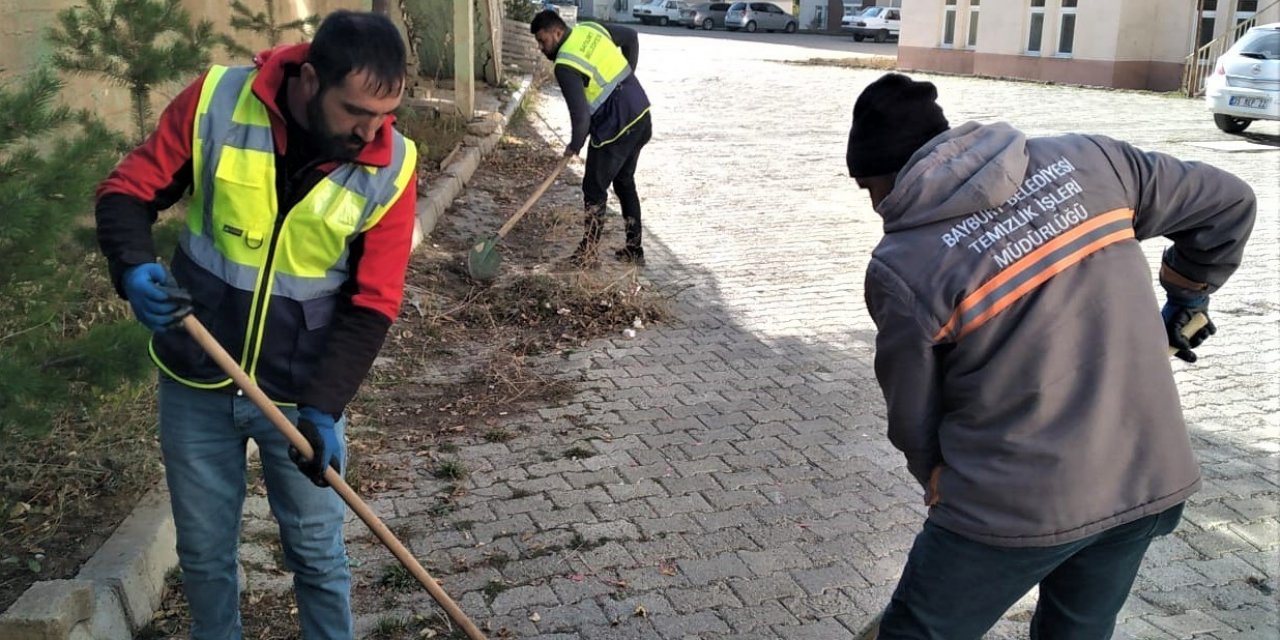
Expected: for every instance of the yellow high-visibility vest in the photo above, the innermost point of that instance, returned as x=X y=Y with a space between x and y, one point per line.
x=235 y=243
x=591 y=51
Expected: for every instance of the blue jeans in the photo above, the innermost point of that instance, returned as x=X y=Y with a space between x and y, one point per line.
x=202 y=437
x=955 y=588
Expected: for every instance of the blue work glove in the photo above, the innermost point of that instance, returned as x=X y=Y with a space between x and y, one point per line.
x=157 y=300
x=320 y=430
x=1177 y=312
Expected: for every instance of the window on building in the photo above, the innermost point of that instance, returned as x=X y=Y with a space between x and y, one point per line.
x=1036 y=26
x=1208 y=15
x=1067 y=28
x=973 y=22
x=1246 y=9
x=949 y=24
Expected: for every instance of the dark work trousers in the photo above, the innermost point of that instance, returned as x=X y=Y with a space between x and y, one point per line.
x=615 y=163
x=955 y=588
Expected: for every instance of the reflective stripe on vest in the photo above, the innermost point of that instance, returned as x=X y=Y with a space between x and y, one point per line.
x=591 y=51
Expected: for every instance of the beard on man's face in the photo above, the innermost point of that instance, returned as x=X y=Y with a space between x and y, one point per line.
x=331 y=144
x=550 y=51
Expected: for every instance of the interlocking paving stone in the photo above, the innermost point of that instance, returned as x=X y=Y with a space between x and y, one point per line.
x=741 y=449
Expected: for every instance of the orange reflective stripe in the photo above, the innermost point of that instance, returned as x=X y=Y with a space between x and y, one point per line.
x=1032 y=270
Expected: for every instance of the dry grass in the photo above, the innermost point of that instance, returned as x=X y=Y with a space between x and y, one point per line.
x=435 y=133
x=886 y=63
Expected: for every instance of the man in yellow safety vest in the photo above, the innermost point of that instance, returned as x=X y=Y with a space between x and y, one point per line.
x=595 y=68
x=292 y=253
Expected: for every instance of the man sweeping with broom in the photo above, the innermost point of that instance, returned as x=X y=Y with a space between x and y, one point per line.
x=293 y=254
x=595 y=67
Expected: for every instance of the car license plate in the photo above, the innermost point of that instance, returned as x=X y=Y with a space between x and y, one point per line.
x=1249 y=102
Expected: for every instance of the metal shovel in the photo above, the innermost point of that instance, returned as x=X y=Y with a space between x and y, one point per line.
x=483 y=260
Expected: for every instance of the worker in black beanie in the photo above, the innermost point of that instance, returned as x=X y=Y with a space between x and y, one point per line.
x=1024 y=365
x=893 y=117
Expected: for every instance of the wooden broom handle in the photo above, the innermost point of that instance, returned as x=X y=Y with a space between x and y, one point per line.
x=361 y=509
x=1196 y=323
x=528 y=204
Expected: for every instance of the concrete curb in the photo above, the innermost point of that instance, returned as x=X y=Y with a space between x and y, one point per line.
x=440 y=196
x=119 y=589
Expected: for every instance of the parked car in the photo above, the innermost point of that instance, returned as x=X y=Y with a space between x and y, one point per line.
x=851 y=13
x=877 y=23
x=758 y=15
x=659 y=12
x=1245 y=85
x=707 y=15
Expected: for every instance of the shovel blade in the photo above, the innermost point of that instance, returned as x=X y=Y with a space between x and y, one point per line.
x=484 y=260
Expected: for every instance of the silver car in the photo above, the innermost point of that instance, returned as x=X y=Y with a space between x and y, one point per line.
x=1245 y=85
x=707 y=15
x=753 y=16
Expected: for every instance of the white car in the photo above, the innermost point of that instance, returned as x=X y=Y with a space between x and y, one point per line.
x=851 y=13
x=877 y=23
x=1245 y=85
x=659 y=12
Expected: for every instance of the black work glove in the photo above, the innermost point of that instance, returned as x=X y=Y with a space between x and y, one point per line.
x=320 y=430
x=1179 y=311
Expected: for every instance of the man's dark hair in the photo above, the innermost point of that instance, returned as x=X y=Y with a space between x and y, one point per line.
x=349 y=41
x=546 y=19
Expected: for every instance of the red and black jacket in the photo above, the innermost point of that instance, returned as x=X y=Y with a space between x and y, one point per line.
x=155 y=175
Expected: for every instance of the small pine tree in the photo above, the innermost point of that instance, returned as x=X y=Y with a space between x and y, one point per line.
x=51 y=158
x=138 y=44
x=264 y=23
x=45 y=177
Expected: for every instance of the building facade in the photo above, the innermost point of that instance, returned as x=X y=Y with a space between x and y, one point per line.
x=23 y=46
x=1132 y=44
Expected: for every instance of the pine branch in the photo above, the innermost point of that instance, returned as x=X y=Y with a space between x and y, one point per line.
x=29 y=111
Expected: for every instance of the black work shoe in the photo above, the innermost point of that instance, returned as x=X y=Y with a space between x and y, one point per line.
x=633 y=255
x=583 y=258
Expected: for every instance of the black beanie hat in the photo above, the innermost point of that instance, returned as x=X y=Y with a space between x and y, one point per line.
x=893 y=117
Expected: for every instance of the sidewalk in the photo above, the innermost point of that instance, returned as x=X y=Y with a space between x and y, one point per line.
x=117 y=591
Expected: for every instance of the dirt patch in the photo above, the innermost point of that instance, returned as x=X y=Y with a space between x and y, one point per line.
x=265 y=616
x=436 y=134
x=91 y=451
x=463 y=352
x=887 y=63
x=462 y=355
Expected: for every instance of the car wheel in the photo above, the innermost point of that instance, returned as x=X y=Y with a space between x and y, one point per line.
x=751 y=27
x=857 y=38
x=1231 y=124
x=882 y=35
x=662 y=22
x=791 y=27
x=708 y=24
